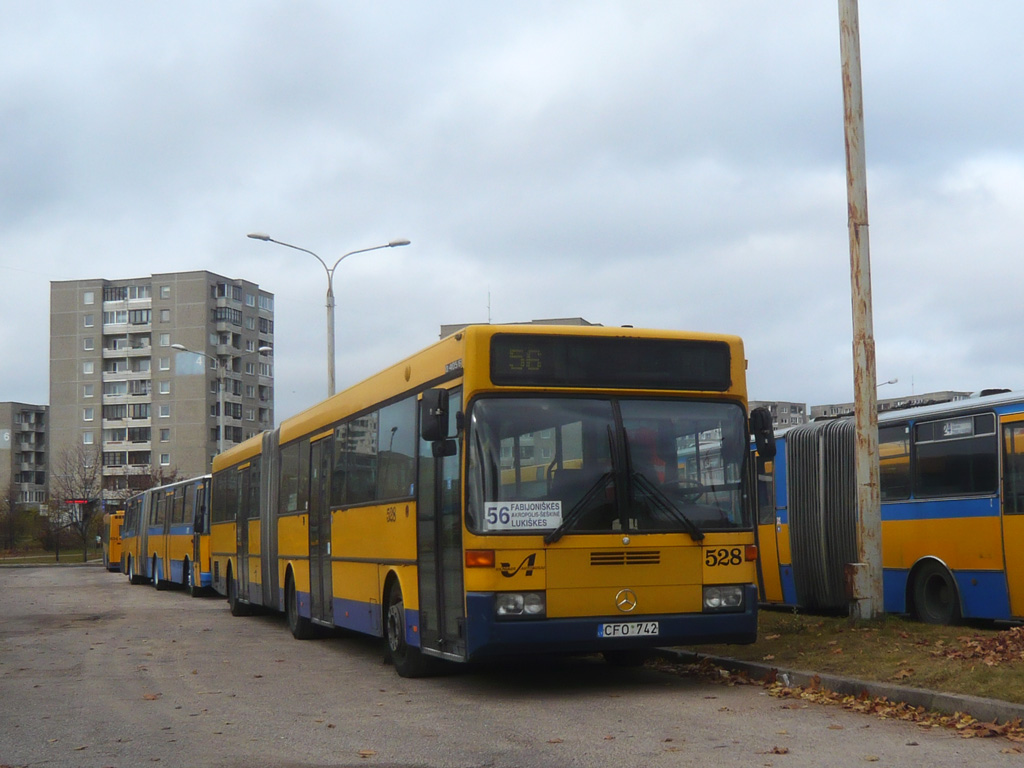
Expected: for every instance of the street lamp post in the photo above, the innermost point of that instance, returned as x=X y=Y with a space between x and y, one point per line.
x=330 y=290
x=221 y=377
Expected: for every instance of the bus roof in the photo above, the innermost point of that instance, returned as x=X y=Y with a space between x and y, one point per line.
x=442 y=361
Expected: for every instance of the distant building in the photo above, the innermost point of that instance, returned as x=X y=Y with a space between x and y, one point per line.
x=836 y=410
x=23 y=452
x=784 y=414
x=448 y=330
x=117 y=383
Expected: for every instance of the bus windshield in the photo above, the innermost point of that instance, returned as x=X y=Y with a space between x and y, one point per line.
x=568 y=465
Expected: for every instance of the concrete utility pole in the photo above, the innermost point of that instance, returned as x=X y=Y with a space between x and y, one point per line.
x=864 y=579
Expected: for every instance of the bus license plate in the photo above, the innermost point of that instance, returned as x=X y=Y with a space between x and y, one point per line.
x=628 y=629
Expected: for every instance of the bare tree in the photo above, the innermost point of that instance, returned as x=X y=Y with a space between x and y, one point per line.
x=118 y=492
x=76 y=481
x=13 y=517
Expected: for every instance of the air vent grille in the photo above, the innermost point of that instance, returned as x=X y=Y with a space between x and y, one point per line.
x=625 y=557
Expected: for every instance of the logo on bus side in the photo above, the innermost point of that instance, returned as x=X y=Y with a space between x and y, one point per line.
x=529 y=561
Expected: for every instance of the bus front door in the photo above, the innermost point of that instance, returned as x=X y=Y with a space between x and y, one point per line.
x=439 y=544
x=242 y=534
x=1013 y=510
x=320 y=588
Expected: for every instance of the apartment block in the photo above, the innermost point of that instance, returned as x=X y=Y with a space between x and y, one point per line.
x=784 y=414
x=141 y=370
x=23 y=452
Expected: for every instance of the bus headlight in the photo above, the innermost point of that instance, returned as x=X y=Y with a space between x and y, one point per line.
x=723 y=598
x=520 y=605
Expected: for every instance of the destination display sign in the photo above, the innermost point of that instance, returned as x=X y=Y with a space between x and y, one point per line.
x=609 y=362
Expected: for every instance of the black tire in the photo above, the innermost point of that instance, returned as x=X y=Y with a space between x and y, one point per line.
x=300 y=627
x=133 y=577
x=190 y=582
x=407 y=660
x=236 y=606
x=160 y=584
x=626 y=658
x=936 y=600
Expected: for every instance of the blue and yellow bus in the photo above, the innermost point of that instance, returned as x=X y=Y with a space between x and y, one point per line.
x=509 y=490
x=952 y=490
x=166 y=536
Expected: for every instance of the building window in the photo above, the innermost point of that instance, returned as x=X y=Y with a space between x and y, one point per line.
x=165 y=339
x=165 y=315
x=165 y=387
x=165 y=291
x=88 y=367
x=165 y=459
x=164 y=411
x=165 y=363
x=88 y=390
x=87 y=438
x=250 y=300
x=89 y=344
x=267 y=302
x=88 y=321
x=89 y=297
x=88 y=414
x=165 y=435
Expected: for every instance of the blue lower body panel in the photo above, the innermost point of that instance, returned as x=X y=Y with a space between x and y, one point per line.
x=487 y=637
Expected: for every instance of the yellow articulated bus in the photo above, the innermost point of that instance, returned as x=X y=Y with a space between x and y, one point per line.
x=509 y=490
x=166 y=536
x=111 y=535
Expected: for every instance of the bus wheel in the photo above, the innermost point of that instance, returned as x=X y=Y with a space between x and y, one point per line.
x=935 y=596
x=133 y=577
x=626 y=658
x=236 y=606
x=159 y=583
x=408 y=661
x=190 y=580
x=301 y=627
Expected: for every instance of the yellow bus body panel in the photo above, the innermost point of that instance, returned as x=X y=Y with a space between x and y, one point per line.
x=970 y=544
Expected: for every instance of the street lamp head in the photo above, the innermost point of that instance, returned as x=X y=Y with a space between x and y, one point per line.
x=180 y=347
x=259 y=236
x=392 y=244
x=264 y=350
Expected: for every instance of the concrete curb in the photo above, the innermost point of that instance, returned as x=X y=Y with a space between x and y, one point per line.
x=984 y=710
x=90 y=564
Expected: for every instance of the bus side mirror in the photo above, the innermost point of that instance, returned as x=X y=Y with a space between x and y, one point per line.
x=434 y=415
x=763 y=432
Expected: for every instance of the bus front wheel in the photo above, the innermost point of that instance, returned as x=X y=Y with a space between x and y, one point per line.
x=159 y=583
x=236 y=606
x=935 y=596
x=190 y=580
x=133 y=577
x=407 y=660
x=300 y=627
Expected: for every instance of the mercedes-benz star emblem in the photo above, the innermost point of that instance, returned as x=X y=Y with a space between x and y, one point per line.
x=625 y=600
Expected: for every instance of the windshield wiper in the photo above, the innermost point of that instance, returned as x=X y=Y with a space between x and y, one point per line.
x=577 y=510
x=662 y=502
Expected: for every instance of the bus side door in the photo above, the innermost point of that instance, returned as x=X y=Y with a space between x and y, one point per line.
x=321 y=594
x=1013 y=509
x=439 y=545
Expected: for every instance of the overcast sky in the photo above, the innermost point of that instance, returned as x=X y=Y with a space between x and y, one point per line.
x=661 y=164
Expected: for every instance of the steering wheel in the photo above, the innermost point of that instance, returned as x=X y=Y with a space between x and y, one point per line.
x=689 y=490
